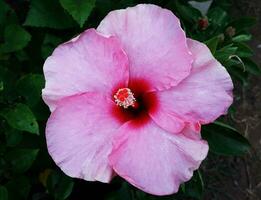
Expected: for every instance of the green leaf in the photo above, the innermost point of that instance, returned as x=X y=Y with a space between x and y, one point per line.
x=244 y=64
x=21 y=159
x=251 y=66
x=224 y=140
x=21 y=118
x=243 y=23
x=225 y=53
x=8 y=78
x=3 y=193
x=7 y=17
x=30 y=86
x=18 y=188
x=212 y=44
x=22 y=55
x=1 y=86
x=242 y=38
x=194 y=188
x=79 y=9
x=224 y=4
x=15 y=37
x=13 y=137
x=59 y=185
x=50 y=42
x=218 y=17
x=239 y=74
x=4 y=8
x=187 y=12
x=124 y=192
x=243 y=50
x=48 y=13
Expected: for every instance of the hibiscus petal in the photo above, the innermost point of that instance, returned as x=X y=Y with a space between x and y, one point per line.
x=79 y=136
x=90 y=62
x=202 y=97
x=154 y=42
x=154 y=160
x=165 y=117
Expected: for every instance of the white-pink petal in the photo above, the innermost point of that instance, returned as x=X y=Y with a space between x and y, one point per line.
x=154 y=160
x=79 y=136
x=203 y=96
x=154 y=42
x=90 y=62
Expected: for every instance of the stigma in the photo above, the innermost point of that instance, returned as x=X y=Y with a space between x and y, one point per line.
x=125 y=98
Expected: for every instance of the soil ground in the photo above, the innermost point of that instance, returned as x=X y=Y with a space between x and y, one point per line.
x=239 y=178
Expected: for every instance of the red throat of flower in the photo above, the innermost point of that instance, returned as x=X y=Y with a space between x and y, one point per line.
x=125 y=98
x=134 y=102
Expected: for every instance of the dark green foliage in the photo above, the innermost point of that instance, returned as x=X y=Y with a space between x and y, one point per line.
x=3 y=193
x=21 y=118
x=21 y=159
x=59 y=185
x=243 y=23
x=29 y=32
x=225 y=140
x=15 y=38
x=29 y=86
x=48 y=13
x=194 y=188
x=18 y=188
x=212 y=44
x=79 y=9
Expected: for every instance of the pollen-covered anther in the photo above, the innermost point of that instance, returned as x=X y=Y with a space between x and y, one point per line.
x=125 y=98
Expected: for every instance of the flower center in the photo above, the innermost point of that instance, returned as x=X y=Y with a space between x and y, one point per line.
x=134 y=102
x=125 y=98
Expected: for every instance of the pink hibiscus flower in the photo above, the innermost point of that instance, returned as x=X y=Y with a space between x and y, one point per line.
x=129 y=98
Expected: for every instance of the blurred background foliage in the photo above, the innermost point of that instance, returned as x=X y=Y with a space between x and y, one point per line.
x=30 y=30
